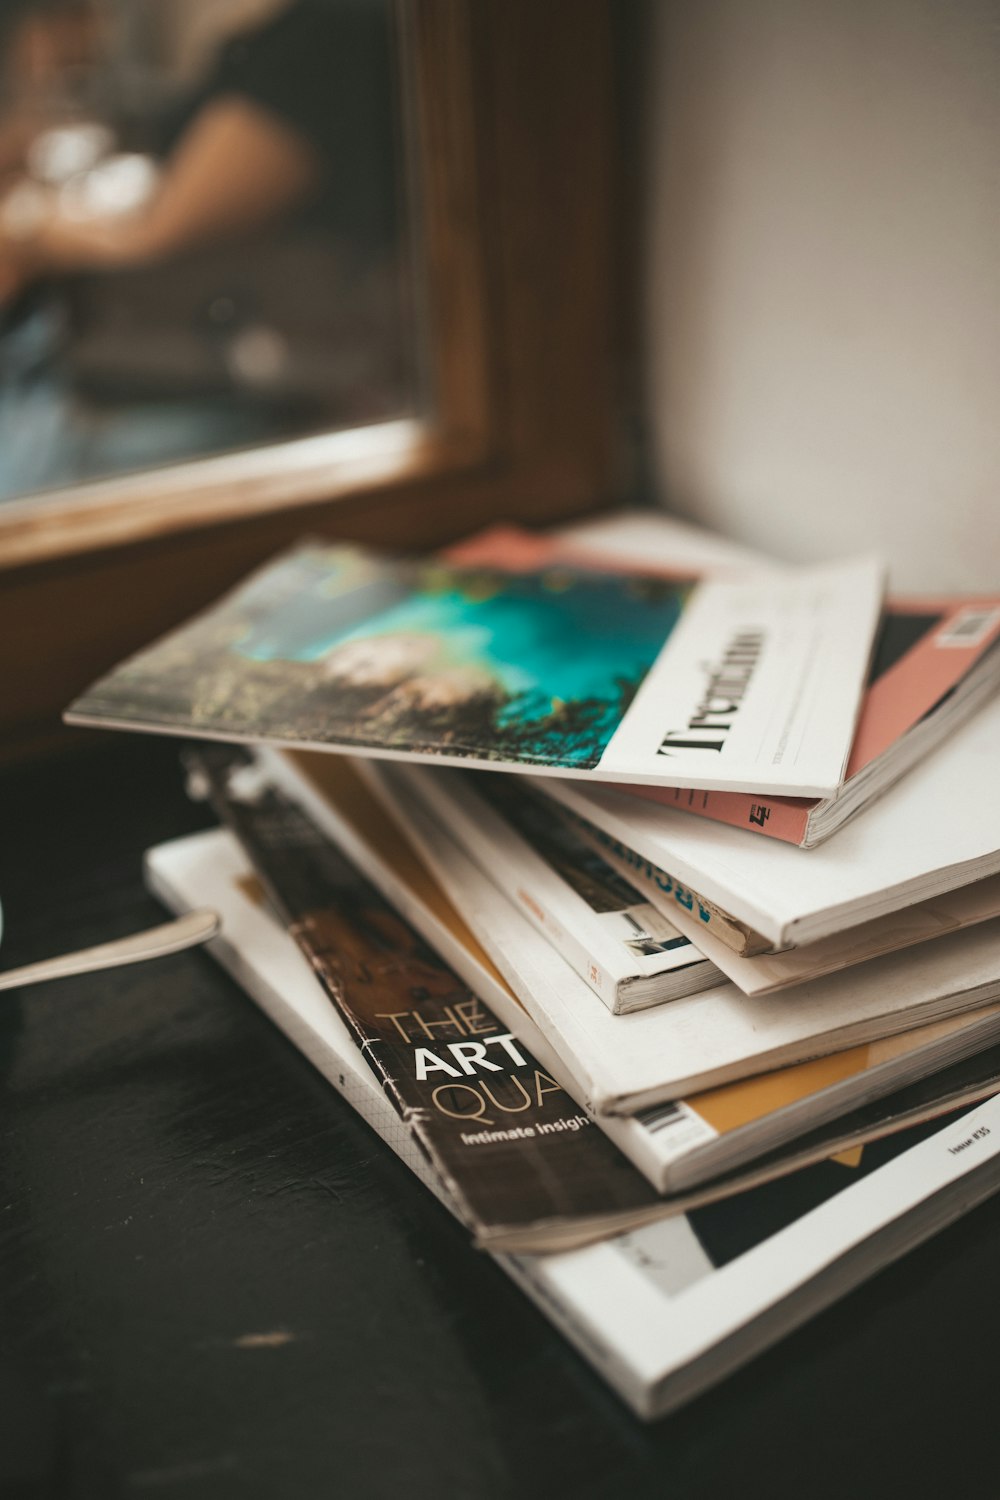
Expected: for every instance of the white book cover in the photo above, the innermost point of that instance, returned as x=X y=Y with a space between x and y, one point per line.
x=629 y=953
x=749 y=683
x=669 y=1310
x=627 y=1063
x=936 y=830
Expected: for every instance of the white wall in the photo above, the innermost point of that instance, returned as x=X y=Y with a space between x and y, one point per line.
x=822 y=303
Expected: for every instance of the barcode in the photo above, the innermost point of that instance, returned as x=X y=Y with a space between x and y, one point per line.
x=969 y=628
x=661 y=1117
x=676 y=1128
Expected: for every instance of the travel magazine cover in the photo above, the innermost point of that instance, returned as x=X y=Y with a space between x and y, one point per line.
x=936 y=661
x=748 y=684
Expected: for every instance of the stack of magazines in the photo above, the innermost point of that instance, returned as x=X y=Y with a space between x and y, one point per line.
x=642 y=894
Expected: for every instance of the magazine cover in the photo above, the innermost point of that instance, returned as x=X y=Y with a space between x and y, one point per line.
x=768 y=973
x=669 y=895
x=682 y=1303
x=525 y=1167
x=749 y=684
x=936 y=660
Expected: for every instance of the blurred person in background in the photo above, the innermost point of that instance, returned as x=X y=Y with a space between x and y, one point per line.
x=292 y=125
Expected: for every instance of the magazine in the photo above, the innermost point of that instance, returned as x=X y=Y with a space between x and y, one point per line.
x=618 y=542
x=626 y=1063
x=526 y=1169
x=669 y=894
x=754 y=964
x=768 y=972
x=748 y=684
x=668 y=1310
x=630 y=954
x=937 y=830
x=749 y=1132
x=936 y=662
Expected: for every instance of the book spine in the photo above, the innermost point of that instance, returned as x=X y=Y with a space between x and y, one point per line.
x=664 y=891
x=785 y=818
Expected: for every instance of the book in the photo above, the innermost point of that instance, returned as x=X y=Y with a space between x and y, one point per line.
x=666 y=1311
x=624 y=1064
x=936 y=830
x=630 y=954
x=745 y=683
x=937 y=660
x=757 y=968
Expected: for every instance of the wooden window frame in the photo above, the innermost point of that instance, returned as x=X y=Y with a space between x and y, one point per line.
x=515 y=143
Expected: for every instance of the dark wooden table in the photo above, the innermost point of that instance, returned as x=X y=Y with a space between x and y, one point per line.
x=217 y=1282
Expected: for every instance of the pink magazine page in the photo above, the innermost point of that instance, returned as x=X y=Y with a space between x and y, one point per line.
x=785 y=818
x=900 y=696
x=517 y=551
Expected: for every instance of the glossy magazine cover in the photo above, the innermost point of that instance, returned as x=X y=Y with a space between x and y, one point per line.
x=751 y=682
x=525 y=1167
x=935 y=661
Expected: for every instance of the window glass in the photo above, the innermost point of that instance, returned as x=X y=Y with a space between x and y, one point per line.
x=204 y=240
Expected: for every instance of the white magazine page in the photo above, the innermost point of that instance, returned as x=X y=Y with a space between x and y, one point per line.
x=758 y=686
x=627 y=1063
x=670 y=1304
x=935 y=830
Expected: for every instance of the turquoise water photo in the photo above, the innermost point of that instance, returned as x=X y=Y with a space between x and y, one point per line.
x=339 y=646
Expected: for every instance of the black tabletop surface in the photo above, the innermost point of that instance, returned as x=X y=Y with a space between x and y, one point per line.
x=216 y=1281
